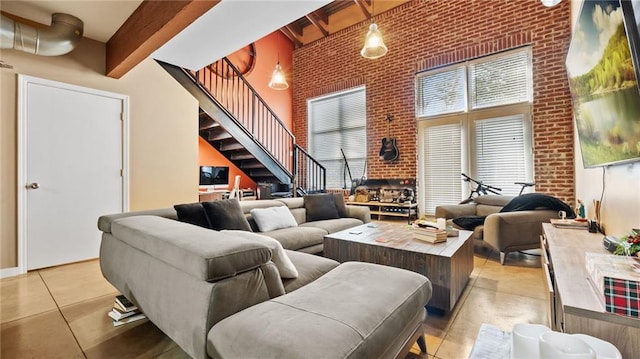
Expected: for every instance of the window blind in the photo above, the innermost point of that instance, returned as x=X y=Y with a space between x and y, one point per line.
x=441 y=92
x=441 y=162
x=500 y=152
x=500 y=80
x=338 y=122
x=494 y=92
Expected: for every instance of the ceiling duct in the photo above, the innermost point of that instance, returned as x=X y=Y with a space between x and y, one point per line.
x=61 y=37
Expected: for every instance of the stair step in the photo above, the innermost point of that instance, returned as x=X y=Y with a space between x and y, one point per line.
x=230 y=146
x=218 y=134
x=238 y=156
x=251 y=164
x=260 y=173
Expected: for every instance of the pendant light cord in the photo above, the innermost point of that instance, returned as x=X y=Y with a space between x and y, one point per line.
x=373 y=10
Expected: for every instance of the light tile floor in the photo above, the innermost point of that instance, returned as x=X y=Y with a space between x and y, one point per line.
x=60 y=312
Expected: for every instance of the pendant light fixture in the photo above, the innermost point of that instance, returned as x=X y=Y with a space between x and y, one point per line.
x=278 y=78
x=550 y=3
x=373 y=44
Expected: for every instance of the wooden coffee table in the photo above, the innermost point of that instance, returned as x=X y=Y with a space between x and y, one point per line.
x=448 y=265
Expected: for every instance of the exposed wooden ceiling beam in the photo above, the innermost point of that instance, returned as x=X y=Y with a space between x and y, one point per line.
x=362 y=7
x=322 y=15
x=317 y=25
x=294 y=28
x=297 y=43
x=150 y=26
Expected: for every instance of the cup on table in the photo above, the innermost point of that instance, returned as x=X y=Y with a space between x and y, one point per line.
x=603 y=349
x=562 y=215
x=558 y=345
x=441 y=223
x=525 y=339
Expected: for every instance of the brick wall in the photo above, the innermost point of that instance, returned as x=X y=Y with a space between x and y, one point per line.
x=426 y=34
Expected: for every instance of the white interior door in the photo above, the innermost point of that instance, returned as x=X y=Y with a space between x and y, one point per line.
x=72 y=169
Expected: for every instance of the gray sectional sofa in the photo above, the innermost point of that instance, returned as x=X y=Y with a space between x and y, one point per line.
x=220 y=295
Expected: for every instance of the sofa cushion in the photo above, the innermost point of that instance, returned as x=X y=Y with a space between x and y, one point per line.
x=300 y=214
x=320 y=206
x=334 y=225
x=192 y=213
x=293 y=202
x=493 y=200
x=340 y=206
x=298 y=237
x=104 y=222
x=485 y=210
x=226 y=214
x=247 y=206
x=205 y=254
x=310 y=267
x=272 y=218
x=279 y=257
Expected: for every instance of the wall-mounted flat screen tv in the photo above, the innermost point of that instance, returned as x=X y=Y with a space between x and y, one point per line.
x=214 y=175
x=602 y=71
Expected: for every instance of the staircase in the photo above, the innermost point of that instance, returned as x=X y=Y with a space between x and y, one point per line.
x=236 y=121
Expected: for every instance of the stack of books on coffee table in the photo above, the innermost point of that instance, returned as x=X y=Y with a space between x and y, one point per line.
x=124 y=311
x=429 y=234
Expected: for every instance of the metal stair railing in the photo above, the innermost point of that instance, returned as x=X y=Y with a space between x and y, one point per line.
x=232 y=92
x=310 y=175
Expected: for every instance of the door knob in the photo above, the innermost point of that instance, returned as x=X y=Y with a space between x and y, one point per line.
x=33 y=185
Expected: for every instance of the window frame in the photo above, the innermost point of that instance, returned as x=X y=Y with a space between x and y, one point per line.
x=468 y=119
x=310 y=101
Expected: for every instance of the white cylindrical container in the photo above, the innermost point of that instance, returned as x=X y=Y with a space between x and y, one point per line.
x=556 y=345
x=441 y=223
x=525 y=340
x=603 y=349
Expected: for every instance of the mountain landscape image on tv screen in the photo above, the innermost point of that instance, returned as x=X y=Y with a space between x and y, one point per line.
x=604 y=87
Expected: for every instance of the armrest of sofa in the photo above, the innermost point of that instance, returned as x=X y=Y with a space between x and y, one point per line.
x=516 y=230
x=362 y=213
x=456 y=210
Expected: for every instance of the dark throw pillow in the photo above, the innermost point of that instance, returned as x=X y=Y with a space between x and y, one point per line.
x=469 y=222
x=226 y=214
x=192 y=213
x=530 y=201
x=340 y=206
x=320 y=207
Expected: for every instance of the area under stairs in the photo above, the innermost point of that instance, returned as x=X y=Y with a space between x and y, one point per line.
x=234 y=151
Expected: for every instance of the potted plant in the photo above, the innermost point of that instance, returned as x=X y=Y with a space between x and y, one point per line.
x=629 y=245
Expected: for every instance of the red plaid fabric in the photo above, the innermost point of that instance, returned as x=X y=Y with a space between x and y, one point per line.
x=622 y=296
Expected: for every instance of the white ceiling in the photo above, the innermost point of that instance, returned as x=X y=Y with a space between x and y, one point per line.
x=230 y=25
x=227 y=27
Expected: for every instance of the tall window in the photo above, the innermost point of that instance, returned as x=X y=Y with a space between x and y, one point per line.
x=475 y=117
x=338 y=122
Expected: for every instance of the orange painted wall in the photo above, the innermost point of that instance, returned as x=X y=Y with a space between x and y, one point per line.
x=267 y=50
x=209 y=156
x=280 y=101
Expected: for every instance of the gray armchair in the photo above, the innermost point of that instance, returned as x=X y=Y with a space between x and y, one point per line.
x=506 y=232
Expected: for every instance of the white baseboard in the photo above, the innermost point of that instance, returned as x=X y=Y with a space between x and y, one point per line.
x=10 y=272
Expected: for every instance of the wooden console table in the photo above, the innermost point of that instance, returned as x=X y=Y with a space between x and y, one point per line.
x=575 y=306
x=392 y=209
